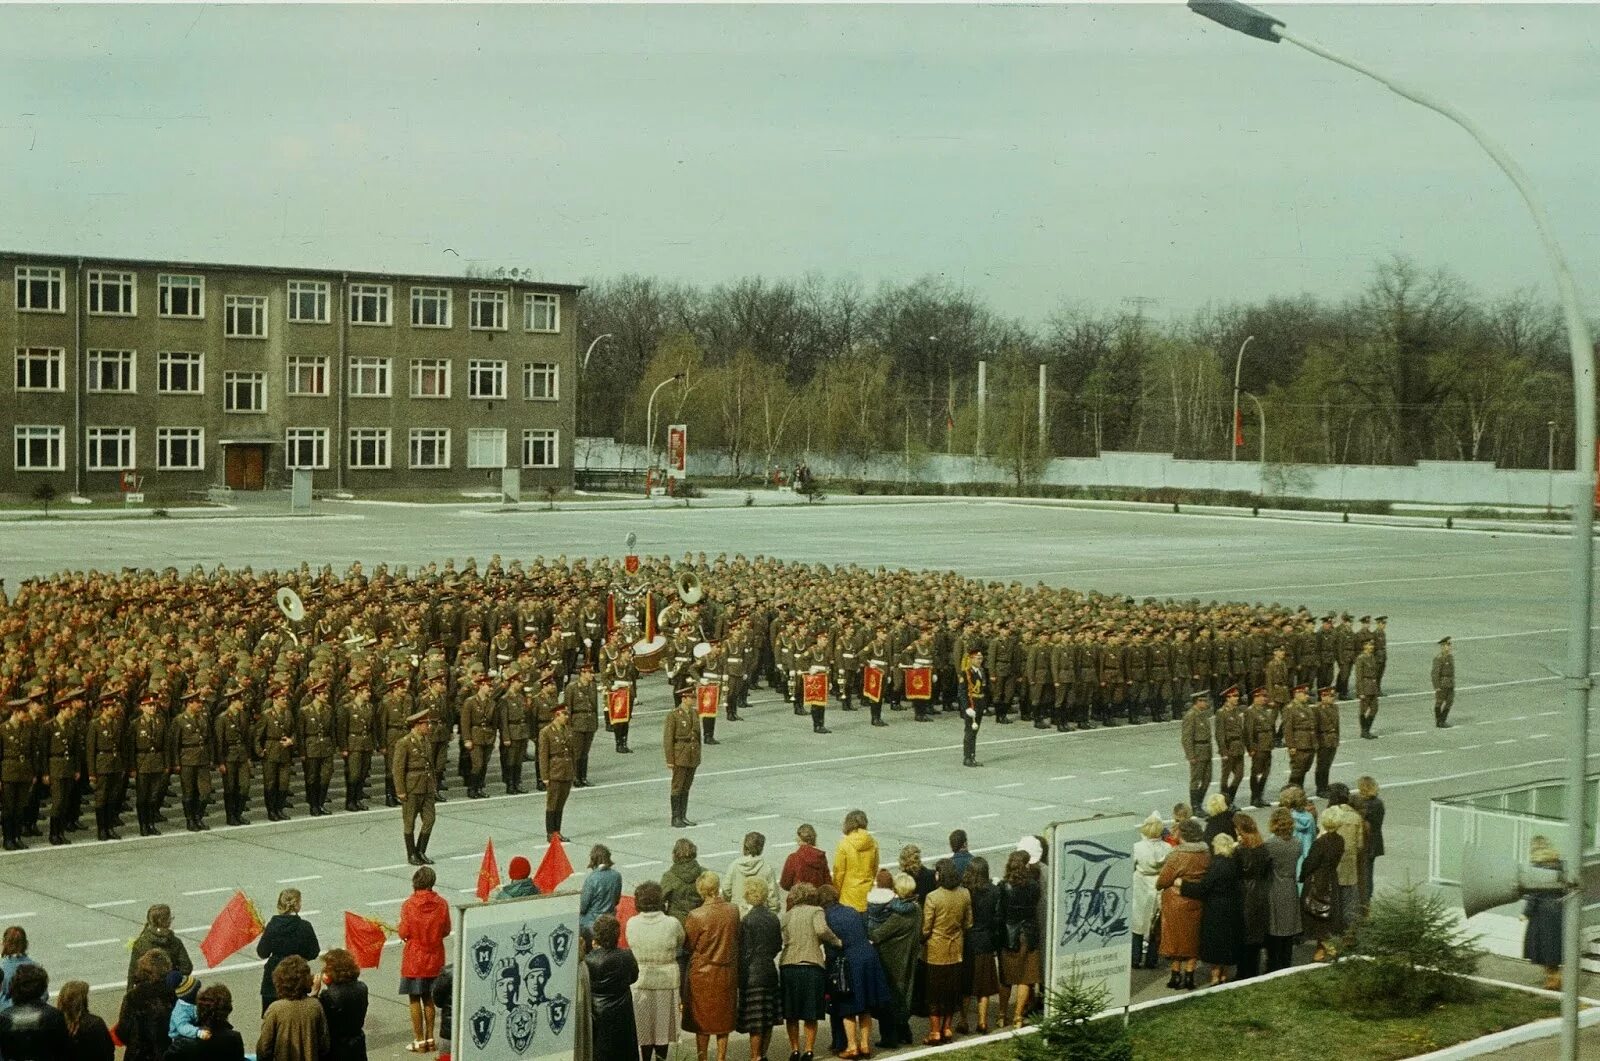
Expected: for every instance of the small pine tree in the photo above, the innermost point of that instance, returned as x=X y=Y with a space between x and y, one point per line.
x=1070 y=1032
x=1417 y=954
x=45 y=493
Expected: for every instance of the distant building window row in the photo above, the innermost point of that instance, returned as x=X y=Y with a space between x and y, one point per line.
x=182 y=296
x=42 y=448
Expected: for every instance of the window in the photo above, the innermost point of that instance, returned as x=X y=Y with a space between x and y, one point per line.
x=369 y=377
x=39 y=289
x=244 y=316
x=112 y=371
x=305 y=447
x=369 y=447
x=40 y=368
x=39 y=449
x=113 y=294
x=308 y=377
x=541 y=313
x=308 y=301
x=540 y=449
x=180 y=449
x=110 y=449
x=540 y=382
x=430 y=378
x=430 y=307
x=488 y=311
x=181 y=296
x=244 y=392
x=430 y=447
x=486 y=447
x=369 y=304
x=486 y=379
x=180 y=373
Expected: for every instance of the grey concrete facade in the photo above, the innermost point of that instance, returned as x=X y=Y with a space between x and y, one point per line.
x=164 y=367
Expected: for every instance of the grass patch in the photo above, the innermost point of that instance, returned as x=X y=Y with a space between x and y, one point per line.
x=1297 y=1018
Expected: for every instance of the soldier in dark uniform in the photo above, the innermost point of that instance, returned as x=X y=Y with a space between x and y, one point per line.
x=356 y=730
x=557 y=768
x=818 y=660
x=1003 y=666
x=275 y=745
x=1183 y=653
x=1260 y=736
x=1136 y=659
x=1113 y=683
x=480 y=714
x=318 y=743
x=1197 y=749
x=1062 y=675
x=1327 y=710
x=17 y=773
x=512 y=727
x=107 y=765
x=231 y=732
x=441 y=708
x=1159 y=676
x=1366 y=671
x=396 y=708
x=1300 y=735
x=415 y=780
x=150 y=764
x=582 y=699
x=192 y=750
x=1380 y=639
x=1344 y=655
x=1230 y=742
x=64 y=761
x=1444 y=683
x=1085 y=681
x=976 y=681
x=680 y=742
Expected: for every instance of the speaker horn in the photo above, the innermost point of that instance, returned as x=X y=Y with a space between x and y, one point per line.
x=1488 y=879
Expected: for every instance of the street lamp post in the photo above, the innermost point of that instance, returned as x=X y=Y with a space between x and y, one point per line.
x=650 y=420
x=1550 y=460
x=1238 y=363
x=583 y=381
x=1251 y=22
x=1262 y=414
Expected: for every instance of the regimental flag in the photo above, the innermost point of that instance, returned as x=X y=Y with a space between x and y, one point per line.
x=364 y=938
x=814 y=689
x=553 y=869
x=707 y=698
x=488 y=872
x=919 y=683
x=630 y=563
x=1238 y=429
x=619 y=705
x=611 y=613
x=649 y=617
x=237 y=924
x=872 y=683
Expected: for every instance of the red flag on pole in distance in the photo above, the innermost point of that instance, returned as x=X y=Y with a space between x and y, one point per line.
x=1238 y=429
x=364 y=938
x=553 y=869
x=488 y=872
x=236 y=925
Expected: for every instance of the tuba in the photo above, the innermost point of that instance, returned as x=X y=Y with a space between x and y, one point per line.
x=293 y=609
x=689 y=589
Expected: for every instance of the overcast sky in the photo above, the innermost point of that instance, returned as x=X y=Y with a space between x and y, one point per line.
x=1036 y=155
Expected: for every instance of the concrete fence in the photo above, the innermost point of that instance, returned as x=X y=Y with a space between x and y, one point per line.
x=1426 y=482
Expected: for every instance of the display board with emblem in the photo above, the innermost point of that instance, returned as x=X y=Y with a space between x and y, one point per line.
x=516 y=980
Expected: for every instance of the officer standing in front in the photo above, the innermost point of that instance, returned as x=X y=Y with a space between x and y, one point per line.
x=1366 y=672
x=1444 y=684
x=1230 y=742
x=416 y=785
x=1197 y=748
x=1260 y=736
x=1327 y=710
x=680 y=741
x=557 y=768
x=976 y=682
x=1300 y=736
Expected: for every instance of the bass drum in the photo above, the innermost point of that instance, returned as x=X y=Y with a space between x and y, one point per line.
x=649 y=655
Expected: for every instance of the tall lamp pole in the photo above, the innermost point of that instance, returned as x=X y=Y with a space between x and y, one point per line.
x=650 y=418
x=1251 y=22
x=1233 y=426
x=1550 y=459
x=583 y=379
x=1262 y=414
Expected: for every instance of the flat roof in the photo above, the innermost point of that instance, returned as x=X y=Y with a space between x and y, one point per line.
x=354 y=274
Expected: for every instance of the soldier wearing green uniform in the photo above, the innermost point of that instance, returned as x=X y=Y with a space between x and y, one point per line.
x=582 y=700
x=1327 y=710
x=107 y=765
x=1230 y=741
x=512 y=728
x=416 y=783
x=1196 y=740
x=1444 y=684
x=479 y=727
x=64 y=762
x=318 y=743
x=1300 y=736
x=232 y=735
x=356 y=730
x=680 y=742
x=17 y=773
x=557 y=768
x=397 y=707
x=1366 y=671
x=150 y=764
x=274 y=737
x=192 y=750
x=1260 y=736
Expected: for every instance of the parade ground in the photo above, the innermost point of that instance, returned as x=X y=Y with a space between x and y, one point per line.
x=1500 y=595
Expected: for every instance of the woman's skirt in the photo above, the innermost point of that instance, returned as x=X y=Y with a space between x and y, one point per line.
x=417 y=987
x=803 y=992
x=1020 y=966
x=760 y=1008
x=944 y=989
x=655 y=1014
x=982 y=977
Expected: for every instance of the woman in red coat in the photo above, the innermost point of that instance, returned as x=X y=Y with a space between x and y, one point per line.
x=424 y=923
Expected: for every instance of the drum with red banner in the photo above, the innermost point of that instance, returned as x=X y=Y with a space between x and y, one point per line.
x=708 y=698
x=619 y=705
x=872 y=683
x=919 y=683
x=814 y=689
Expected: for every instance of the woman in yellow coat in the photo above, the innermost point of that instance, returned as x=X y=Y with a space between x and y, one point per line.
x=855 y=861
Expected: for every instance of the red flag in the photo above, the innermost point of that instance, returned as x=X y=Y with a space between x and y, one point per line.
x=553 y=869
x=488 y=872
x=626 y=908
x=815 y=690
x=649 y=617
x=1238 y=429
x=872 y=683
x=611 y=613
x=707 y=699
x=919 y=683
x=619 y=705
x=236 y=925
x=364 y=938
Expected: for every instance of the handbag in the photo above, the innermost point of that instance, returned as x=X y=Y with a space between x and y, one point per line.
x=1319 y=906
x=839 y=976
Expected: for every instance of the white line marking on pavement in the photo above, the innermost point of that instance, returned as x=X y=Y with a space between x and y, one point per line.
x=1487 y=722
x=629 y=836
x=1469 y=747
x=1537 y=736
x=110 y=903
x=1476 y=773
x=297 y=880
x=897 y=799
x=952 y=792
x=786 y=843
x=1490 y=637
x=1511 y=740
x=381 y=869
x=1042 y=806
x=1382 y=758
x=1161 y=766
x=1014 y=784
x=829 y=810
x=721 y=854
x=641 y=865
x=93 y=943
x=1435 y=751
x=310 y=913
x=208 y=891
x=1154 y=791
x=1357 y=582
x=1517 y=718
x=921 y=825
x=752 y=818
x=1546 y=714
x=982 y=817
x=194 y=928
x=1099 y=799
x=1476 y=688
x=19 y=917
x=1065 y=777
x=1118 y=770
x=1409 y=733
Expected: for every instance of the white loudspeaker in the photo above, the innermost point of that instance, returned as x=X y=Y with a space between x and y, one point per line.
x=1488 y=879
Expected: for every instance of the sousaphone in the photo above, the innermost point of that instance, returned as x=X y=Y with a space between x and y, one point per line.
x=293 y=609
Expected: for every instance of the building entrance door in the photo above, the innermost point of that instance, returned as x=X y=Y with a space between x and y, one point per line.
x=247 y=467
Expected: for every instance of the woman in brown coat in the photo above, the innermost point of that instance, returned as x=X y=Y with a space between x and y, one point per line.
x=294 y=1028
x=1180 y=916
x=711 y=935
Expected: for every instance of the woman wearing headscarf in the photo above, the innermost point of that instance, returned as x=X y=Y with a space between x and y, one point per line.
x=1319 y=885
x=1180 y=914
x=1149 y=855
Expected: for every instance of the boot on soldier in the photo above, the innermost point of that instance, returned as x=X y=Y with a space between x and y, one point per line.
x=422 y=849
x=683 y=813
x=412 y=858
x=57 y=835
x=876 y=711
x=389 y=798
x=677 y=816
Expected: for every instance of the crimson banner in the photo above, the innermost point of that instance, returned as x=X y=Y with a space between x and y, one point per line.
x=619 y=705
x=919 y=683
x=872 y=684
x=707 y=699
x=815 y=690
